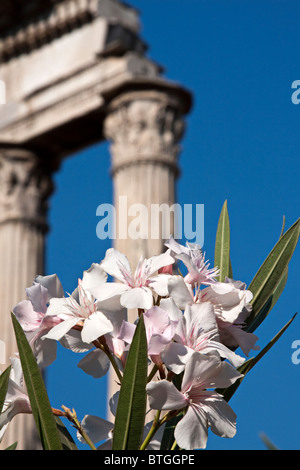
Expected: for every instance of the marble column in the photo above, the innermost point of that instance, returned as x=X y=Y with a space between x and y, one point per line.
x=144 y=128
x=25 y=185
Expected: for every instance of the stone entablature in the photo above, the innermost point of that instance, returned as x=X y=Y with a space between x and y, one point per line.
x=63 y=17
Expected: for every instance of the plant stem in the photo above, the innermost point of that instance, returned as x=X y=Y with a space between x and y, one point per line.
x=155 y=425
x=152 y=373
x=101 y=344
x=72 y=417
x=113 y=362
x=174 y=445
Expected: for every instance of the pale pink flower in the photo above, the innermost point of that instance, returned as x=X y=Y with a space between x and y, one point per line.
x=231 y=301
x=160 y=330
x=96 y=363
x=16 y=400
x=193 y=258
x=99 y=430
x=81 y=308
x=196 y=331
x=31 y=315
x=134 y=290
x=202 y=407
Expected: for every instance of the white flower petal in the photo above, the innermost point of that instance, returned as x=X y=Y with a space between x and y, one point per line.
x=52 y=284
x=59 y=330
x=27 y=316
x=164 y=395
x=176 y=247
x=94 y=326
x=179 y=292
x=234 y=335
x=96 y=363
x=96 y=428
x=137 y=297
x=224 y=352
x=200 y=318
x=38 y=296
x=45 y=351
x=59 y=307
x=126 y=332
x=94 y=278
x=191 y=431
x=171 y=308
x=113 y=262
x=111 y=290
x=202 y=367
x=175 y=356
x=221 y=417
x=159 y=284
x=159 y=261
x=73 y=341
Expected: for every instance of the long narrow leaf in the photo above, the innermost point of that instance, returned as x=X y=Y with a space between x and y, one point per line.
x=4 y=378
x=130 y=416
x=248 y=365
x=12 y=446
x=266 y=309
x=168 y=435
x=65 y=437
x=41 y=408
x=222 y=245
x=272 y=270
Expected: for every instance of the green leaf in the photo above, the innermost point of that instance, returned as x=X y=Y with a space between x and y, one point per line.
x=40 y=405
x=4 y=379
x=283 y=226
x=222 y=245
x=248 y=365
x=266 y=309
x=268 y=443
x=130 y=416
x=65 y=437
x=168 y=435
x=272 y=272
x=12 y=446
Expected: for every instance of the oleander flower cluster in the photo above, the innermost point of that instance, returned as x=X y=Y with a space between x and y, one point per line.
x=194 y=329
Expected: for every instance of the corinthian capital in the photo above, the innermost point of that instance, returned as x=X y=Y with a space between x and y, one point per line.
x=144 y=126
x=25 y=186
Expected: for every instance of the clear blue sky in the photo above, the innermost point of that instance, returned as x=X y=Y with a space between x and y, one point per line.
x=239 y=59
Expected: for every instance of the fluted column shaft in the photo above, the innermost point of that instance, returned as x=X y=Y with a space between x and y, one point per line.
x=24 y=188
x=144 y=128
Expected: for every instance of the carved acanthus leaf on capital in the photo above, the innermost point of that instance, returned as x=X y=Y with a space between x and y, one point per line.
x=25 y=186
x=143 y=129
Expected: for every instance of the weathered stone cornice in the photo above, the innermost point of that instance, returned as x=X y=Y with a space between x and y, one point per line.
x=58 y=94
x=25 y=32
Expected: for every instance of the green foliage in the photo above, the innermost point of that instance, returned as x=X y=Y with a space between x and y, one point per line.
x=222 y=245
x=39 y=400
x=266 y=287
x=248 y=365
x=66 y=439
x=269 y=281
x=130 y=416
x=4 y=378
